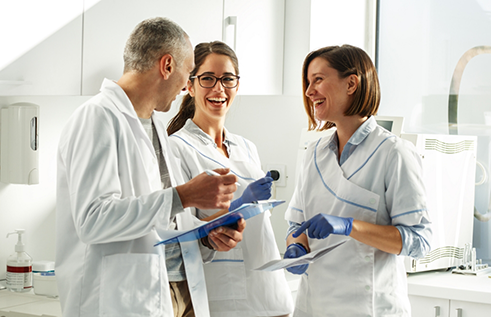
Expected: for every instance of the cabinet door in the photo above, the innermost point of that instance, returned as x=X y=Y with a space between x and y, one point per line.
x=108 y=23
x=468 y=309
x=41 y=47
x=428 y=306
x=258 y=29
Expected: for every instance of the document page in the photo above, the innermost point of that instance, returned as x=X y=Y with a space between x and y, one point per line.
x=305 y=259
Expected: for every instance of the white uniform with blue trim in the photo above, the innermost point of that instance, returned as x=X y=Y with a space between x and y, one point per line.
x=234 y=289
x=379 y=183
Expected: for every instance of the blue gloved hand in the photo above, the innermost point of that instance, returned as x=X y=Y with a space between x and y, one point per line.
x=321 y=226
x=258 y=190
x=293 y=251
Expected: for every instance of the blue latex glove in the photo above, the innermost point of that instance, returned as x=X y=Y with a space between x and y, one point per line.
x=321 y=226
x=258 y=190
x=294 y=251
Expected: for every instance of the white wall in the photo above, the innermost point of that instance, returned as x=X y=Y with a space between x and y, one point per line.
x=33 y=207
x=272 y=122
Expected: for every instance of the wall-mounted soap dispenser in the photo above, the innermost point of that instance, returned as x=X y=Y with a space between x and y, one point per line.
x=19 y=131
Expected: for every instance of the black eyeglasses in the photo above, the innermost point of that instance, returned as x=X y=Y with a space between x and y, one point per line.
x=209 y=81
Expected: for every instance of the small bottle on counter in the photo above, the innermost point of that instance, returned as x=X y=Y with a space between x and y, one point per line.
x=19 y=267
x=44 y=279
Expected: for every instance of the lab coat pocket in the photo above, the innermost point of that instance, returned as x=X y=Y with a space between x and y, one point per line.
x=131 y=285
x=226 y=276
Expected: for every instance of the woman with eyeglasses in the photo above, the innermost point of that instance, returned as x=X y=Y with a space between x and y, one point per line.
x=201 y=142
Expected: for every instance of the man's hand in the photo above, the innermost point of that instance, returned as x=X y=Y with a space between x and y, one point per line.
x=226 y=238
x=209 y=192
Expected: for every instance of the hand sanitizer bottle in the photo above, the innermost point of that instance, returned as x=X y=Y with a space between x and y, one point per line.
x=19 y=267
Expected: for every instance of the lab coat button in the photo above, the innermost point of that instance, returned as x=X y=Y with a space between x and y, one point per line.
x=367 y=288
x=372 y=201
x=367 y=258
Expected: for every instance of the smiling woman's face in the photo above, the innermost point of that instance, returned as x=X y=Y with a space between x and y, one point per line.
x=213 y=103
x=327 y=91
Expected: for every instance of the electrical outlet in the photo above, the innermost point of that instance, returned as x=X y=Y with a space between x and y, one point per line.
x=281 y=168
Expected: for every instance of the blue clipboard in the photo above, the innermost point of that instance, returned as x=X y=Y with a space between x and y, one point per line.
x=245 y=211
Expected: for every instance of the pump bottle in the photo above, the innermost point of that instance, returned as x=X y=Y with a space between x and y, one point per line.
x=19 y=267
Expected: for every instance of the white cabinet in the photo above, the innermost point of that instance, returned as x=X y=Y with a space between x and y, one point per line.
x=468 y=309
x=41 y=47
x=108 y=24
x=438 y=307
x=67 y=47
x=449 y=295
x=259 y=33
x=429 y=306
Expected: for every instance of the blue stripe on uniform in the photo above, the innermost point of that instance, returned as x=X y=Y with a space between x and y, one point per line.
x=244 y=178
x=248 y=150
x=409 y=212
x=296 y=209
x=330 y=190
x=370 y=156
x=226 y=260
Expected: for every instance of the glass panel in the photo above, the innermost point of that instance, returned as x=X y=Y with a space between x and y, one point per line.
x=434 y=61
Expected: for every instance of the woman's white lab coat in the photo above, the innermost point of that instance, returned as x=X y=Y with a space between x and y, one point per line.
x=110 y=208
x=379 y=183
x=234 y=288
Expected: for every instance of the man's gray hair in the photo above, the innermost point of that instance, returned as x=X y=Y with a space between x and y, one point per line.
x=150 y=40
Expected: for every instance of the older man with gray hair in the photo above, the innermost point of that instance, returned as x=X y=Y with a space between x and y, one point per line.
x=119 y=190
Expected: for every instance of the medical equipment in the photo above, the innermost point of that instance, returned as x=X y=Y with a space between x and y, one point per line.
x=470 y=264
x=391 y=123
x=449 y=166
x=19 y=131
x=19 y=267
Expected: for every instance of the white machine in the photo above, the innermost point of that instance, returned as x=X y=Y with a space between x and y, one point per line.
x=449 y=165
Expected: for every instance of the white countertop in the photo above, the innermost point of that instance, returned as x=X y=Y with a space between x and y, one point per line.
x=36 y=305
x=29 y=304
x=444 y=284
x=439 y=284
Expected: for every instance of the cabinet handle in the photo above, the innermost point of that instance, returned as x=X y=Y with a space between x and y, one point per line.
x=459 y=312
x=437 y=311
x=230 y=21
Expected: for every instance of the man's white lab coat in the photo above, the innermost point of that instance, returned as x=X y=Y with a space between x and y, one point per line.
x=110 y=208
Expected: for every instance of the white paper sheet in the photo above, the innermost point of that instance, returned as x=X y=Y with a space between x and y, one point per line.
x=305 y=259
